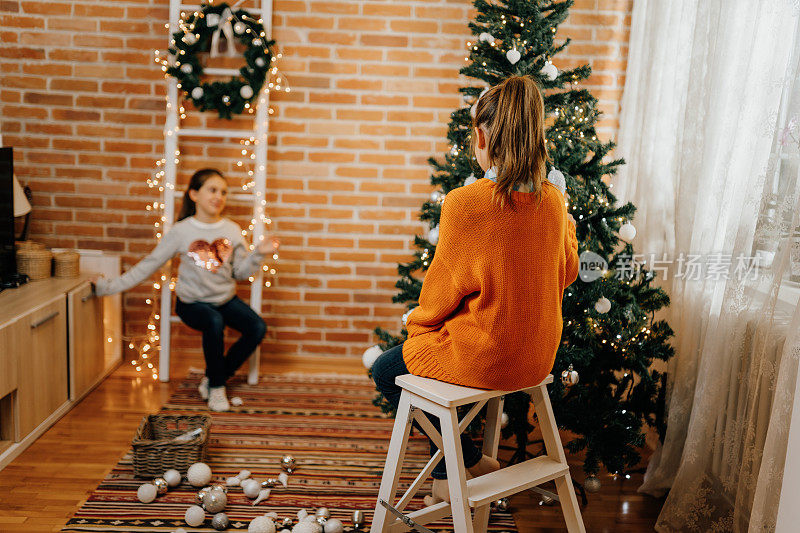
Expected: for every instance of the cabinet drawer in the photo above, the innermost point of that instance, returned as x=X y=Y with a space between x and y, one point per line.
x=42 y=364
x=87 y=361
x=11 y=344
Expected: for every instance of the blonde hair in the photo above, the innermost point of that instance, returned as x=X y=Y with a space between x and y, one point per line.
x=512 y=116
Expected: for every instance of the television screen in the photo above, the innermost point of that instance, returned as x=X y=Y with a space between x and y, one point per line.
x=8 y=260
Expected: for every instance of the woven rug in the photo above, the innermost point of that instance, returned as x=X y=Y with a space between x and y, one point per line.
x=328 y=423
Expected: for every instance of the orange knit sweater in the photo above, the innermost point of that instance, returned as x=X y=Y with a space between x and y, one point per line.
x=489 y=313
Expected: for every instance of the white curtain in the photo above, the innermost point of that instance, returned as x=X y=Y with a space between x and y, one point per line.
x=711 y=165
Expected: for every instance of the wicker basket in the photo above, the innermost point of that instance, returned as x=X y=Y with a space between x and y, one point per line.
x=29 y=245
x=36 y=263
x=67 y=264
x=154 y=450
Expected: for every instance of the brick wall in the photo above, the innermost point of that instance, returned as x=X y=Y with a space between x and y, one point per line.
x=373 y=84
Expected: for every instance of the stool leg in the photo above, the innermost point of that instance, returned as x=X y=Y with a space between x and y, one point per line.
x=393 y=465
x=491 y=440
x=456 y=471
x=555 y=450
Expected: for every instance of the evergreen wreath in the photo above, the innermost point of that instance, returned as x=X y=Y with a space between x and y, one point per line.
x=196 y=36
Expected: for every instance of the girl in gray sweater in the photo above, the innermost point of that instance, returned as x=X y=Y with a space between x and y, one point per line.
x=213 y=256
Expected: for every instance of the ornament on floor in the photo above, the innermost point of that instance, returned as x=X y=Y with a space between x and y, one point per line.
x=603 y=305
x=263 y=494
x=433 y=235
x=201 y=494
x=269 y=483
x=556 y=177
x=214 y=501
x=233 y=481
x=592 y=484
x=244 y=474
x=627 y=232
x=333 y=525
x=370 y=355
x=172 y=477
x=199 y=474
x=358 y=519
x=236 y=401
x=287 y=523
x=504 y=419
x=569 y=377
x=323 y=512
x=161 y=485
x=261 y=524
x=220 y=522
x=549 y=70
x=283 y=478
x=251 y=488
x=306 y=526
x=513 y=56
x=301 y=515
x=501 y=504
x=288 y=463
x=194 y=516
x=147 y=493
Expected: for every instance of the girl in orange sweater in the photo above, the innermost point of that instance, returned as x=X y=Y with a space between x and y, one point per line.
x=489 y=313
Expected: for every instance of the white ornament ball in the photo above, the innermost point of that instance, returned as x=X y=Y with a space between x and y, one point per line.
x=550 y=71
x=147 y=493
x=333 y=525
x=556 y=177
x=260 y=62
x=627 y=232
x=246 y=92
x=504 y=419
x=189 y=38
x=302 y=514
x=251 y=488
x=199 y=474
x=195 y=515
x=603 y=305
x=283 y=477
x=237 y=401
x=261 y=524
x=433 y=235
x=513 y=56
x=256 y=42
x=437 y=196
x=233 y=481
x=470 y=180
x=244 y=474
x=486 y=37
x=172 y=477
x=370 y=355
x=212 y=19
x=307 y=526
x=405 y=317
x=239 y=27
x=186 y=68
x=197 y=93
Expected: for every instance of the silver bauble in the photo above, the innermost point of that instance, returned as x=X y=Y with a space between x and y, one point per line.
x=333 y=525
x=197 y=93
x=358 y=518
x=569 y=377
x=220 y=522
x=161 y=485
x=502 y=504
x=321 y=520
x=287 y=523
x=202 y=494
x=215 y=501
x=269 y=483
x=602 y=305
x=370 y=355
x=627 y=232
x=592 y=484
x=288 y=463
x=239 y=27
x=246 y=92
x=513 y=56
x=226 y=99
x=323 y=512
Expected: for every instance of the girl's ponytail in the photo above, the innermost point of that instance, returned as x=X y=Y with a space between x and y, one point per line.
x=195 y=182
x=511 y=115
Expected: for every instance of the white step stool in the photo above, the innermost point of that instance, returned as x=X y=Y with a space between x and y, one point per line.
x=441 y=399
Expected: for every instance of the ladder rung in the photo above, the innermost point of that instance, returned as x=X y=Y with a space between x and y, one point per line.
x=221 y=71
x=209 y=132
x=513 y=479
x=423 y=516
x=194 y=7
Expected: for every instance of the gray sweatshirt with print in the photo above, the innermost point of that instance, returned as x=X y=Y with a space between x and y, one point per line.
x=213 y=257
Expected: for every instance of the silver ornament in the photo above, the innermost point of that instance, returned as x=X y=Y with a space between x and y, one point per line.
x=260 y=62
x=321 y=520
x=269 y=483
x=603 y=305
x=502 y=504
x=569 y=377
x=288 y=463
x=358 y=519
x=186 y=68
x=323 y=512
x=334 y=525
x=220 y=521
x=592 y=484
x=239 y=27
x=256 y=42
x=201 y=494
x=215 y=501
x=197 y=93
x=287 y=523
x=226 y=99
x=161 y=485
x=221 y=487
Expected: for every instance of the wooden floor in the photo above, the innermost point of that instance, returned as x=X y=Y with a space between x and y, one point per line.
x=42 y=487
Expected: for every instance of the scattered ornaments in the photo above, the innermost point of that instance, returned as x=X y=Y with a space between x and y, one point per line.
x=194 y=516
x=513 y=56
x=627 y=232
x=215 y=501
x=603 y=305
x=263 y=494
x=237 y=401
x=261 y=524
x=251 y=488
x=161 y=485
x=172 y=477
x=333 y=525
x=147 y=493
x=244 y=474
x=370 y=355
x=283 y=478
x=199 y=475
x=220 y=522
x=233 y=481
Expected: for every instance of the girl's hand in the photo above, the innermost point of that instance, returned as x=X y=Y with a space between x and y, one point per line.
x=268 y=246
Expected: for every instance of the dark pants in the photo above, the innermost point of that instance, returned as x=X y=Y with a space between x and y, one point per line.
x=211 y=320
x=386 y=368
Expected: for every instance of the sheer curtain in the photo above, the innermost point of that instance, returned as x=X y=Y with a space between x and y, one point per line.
x=706 y=131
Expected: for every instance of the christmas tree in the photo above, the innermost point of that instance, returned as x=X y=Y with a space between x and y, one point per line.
x=610 y=336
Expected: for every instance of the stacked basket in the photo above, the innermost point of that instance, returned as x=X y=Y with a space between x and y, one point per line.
x=36 y=261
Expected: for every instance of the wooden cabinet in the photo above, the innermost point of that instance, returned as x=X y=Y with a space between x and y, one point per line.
x=10 y=347
x=87 y=361
x=42 y=364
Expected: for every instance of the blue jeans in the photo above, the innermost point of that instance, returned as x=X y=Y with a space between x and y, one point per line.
x=211 y=320
x=386 y=368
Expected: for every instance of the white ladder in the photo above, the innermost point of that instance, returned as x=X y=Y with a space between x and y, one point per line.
x=172 y=131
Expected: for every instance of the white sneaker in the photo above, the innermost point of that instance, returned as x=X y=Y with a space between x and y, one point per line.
x=203 y=388
x=217 y=399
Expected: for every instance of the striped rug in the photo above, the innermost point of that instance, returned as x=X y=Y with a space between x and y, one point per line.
x=327 y=422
